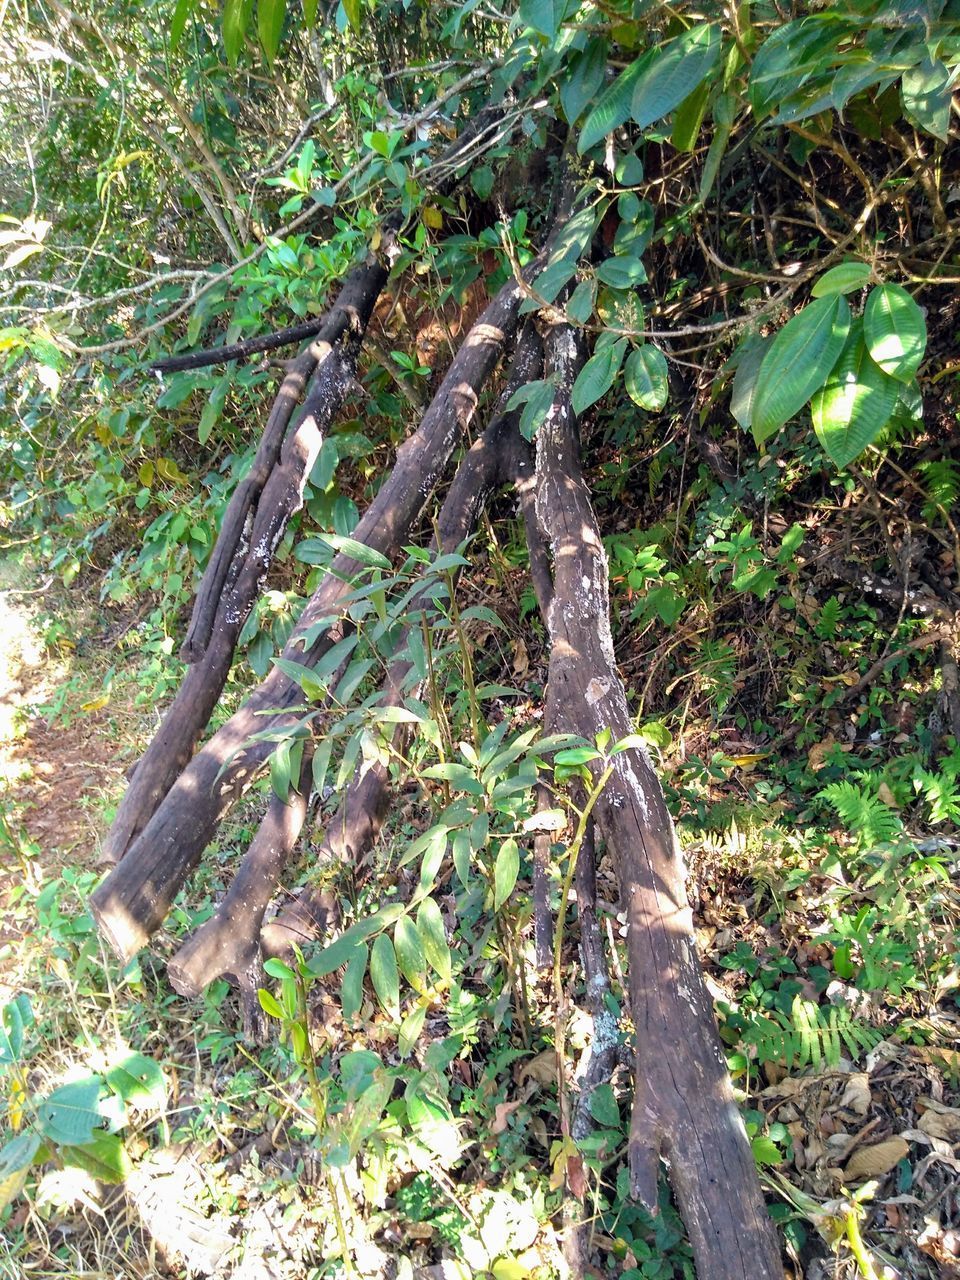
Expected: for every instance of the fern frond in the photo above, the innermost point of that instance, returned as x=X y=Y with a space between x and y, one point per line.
x=863 y=813
x=809 y=1036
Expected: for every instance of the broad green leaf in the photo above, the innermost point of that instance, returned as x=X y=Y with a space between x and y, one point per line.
x=855 y=405
x=895 y=331
x=385 y=975
x=544 y=16
x=745 y=380
x=433 y=935
x=234 y=23
x=682 y=65
x=351 y=988
x=16 y=1016
x=604 y=1107
x=646 y=379
x=345 y=947
x=927 y=94
x=269 y=1004
x=410 y=1030
x=16 y=1159
x=596 y=377
x=583 y=79
x=310 y=12
x=789 y=56
x=798 y=363
x=505 y=872
x=270 y=16
x=613 y=107
x=580 y=305
x=179 y=21
x=139 y=1081
x=409 y=948
x=105 y=1158
x=846 y=278
x=621 y=273
x=70 y=1115
x=358 y=551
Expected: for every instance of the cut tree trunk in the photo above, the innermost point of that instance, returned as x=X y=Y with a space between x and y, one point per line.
x=252 y=526
x=684 y=1108
x=230 y=941
x=135 y=897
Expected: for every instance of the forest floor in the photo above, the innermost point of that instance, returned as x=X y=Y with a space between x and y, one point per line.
x=856 y=1117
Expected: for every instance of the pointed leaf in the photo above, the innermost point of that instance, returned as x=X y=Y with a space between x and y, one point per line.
x=855 y=405
x=180 y=15
x=15 y=1161
x=139 y=1081
x=70 y=1114
x=596 y=377
x=236 y=17
x=433 y=935
x=927 y=93
x=613 y=107
x=409 y=949
x=385 y=975
x=646 y=378
x=351 y=988
x=584 y=79
x=895 y=331
x=798 y=363
x=410 y=1030
x=681 y=67
x=270 y=16
x=846 y=278
x=505 y=872
x=745 y=380
x=105 y=1158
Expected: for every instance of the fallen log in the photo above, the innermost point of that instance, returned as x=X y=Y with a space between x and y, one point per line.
x=229 y=943
x=253 y=524
x=683 y=1107
x=130 y=904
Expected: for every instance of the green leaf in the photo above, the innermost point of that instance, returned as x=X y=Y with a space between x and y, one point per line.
x=17 y=1015
x=352 y=9
x=745 y=380
x=105 y=1158
x=269 y=1004
x=179 y=21
x=345 y=947
x=70 y=1115
x=724 y=113
x=798 y=363
x=689 y=118
x=351 y=988
x=596 y=377
x=646 y=379
x=409 y=949
x=682 y=65
x=505 y=872
x=536 y=397
x=433 y=935
x=310 y=12
x=583 y=79
x=895 y=331
x=385 y=975
x=358 y=551
x=766 y=1151
x=270 y=16
x=855 y=405
x=236 y=19
x=544 y=16
x=846 y=278
x=604 y=1107
x=927 y=93
x=613 y=107
x=139 y=1081
x=482 y=181
x=580 y=305
x=16 y=1158
x=621 y=273
x=410 y=1030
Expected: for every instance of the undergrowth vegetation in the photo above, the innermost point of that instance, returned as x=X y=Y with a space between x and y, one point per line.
x=766 y=267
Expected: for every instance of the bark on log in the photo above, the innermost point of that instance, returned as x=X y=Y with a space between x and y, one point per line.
x=252 y=526
x=230 y=941
x=683 y=1105
x=135 y=897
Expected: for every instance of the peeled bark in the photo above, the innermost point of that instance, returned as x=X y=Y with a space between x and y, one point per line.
x=135 y=897
x=253 y=524
x=684 y=1108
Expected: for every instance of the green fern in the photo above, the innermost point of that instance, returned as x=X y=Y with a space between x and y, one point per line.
x=941 y=480
x=809 y=1036
x=861 y=812
x=942 y=794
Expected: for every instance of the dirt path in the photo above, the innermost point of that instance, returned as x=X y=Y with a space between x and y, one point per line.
x=52 y=776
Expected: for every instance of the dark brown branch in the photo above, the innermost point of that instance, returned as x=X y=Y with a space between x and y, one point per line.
x=683 y=1104
x=134 y=899
x=239 y=350
x=253 y=525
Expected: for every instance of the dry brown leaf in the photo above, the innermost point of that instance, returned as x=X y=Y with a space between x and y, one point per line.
x=521 y=660
x=856 y=1095
x=875 y=1161
x=501 y=1115
x=542 y=1068
x=939 y=1121
x=817 y=755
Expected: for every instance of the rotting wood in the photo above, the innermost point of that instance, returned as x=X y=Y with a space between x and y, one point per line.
x=683 y=1109
x=130 y=904
x=253 y=524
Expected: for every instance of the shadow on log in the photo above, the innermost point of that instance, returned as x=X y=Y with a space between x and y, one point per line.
x=683 y=1107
